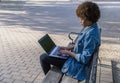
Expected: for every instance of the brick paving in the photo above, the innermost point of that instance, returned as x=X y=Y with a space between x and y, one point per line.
x=23 y=23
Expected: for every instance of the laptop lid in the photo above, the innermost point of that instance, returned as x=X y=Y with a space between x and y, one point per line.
x=47 y=43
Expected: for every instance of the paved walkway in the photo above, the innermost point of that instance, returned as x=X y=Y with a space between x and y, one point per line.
x=23 y=23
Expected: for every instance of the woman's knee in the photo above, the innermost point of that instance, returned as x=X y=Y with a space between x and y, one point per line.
x=43 y=57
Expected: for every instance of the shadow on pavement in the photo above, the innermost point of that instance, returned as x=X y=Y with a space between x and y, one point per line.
x=58 y=18
x=43 y=18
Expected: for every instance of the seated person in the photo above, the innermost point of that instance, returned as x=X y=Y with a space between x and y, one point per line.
x=76 y=66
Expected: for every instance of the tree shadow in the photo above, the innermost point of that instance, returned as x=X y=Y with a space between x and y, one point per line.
x=60 y=18
x=56 y=18
x=110 y=23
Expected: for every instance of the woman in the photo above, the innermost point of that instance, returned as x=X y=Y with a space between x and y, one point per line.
x=77 y=64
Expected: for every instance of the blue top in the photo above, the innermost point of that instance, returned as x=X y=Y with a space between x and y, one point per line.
x=87 y=42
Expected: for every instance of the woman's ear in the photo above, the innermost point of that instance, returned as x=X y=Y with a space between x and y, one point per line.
x=82 y=21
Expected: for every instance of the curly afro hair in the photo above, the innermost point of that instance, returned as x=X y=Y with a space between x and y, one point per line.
x=88 y=11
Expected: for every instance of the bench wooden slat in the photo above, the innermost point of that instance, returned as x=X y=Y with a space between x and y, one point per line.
x=67 y=79
x=53 y=76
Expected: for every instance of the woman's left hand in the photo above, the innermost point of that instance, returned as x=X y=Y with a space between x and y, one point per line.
x=63 y=51
x=68 y=53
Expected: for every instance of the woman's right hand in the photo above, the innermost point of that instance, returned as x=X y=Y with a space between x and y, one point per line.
x=70 y=46
x=63 y=48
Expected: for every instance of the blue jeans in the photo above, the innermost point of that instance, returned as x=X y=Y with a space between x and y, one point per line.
x=46 y=62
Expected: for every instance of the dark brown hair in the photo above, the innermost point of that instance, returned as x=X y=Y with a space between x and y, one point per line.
x=88 y=11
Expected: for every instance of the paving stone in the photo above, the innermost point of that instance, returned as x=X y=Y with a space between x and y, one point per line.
x=19 y=81
x=7 y=80
x=1 y=78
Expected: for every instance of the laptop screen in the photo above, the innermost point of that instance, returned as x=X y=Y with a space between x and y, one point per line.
x=47 y=43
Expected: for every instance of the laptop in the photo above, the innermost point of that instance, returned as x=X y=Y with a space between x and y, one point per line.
x=50 y=47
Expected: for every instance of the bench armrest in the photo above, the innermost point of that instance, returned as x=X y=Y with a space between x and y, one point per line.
x=70 y=36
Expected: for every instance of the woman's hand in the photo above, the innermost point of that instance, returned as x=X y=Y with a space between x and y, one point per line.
x=68 y=53
x=67 y=50
x=63 y=51
x=63 y=48
x=70 y=47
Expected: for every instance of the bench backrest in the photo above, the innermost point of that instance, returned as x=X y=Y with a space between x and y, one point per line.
x=93 y=66
x=91 y=77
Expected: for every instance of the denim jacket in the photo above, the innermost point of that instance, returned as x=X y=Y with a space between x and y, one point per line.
x=88 y=40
